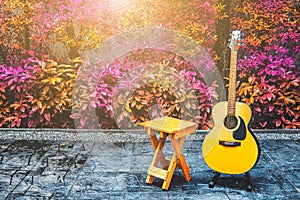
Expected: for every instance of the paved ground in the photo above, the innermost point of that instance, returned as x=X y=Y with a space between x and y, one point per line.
x=94 y=170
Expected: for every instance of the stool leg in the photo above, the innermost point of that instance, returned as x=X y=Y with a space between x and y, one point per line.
x=158 y=155
x=154 y=141
x=177 y=145
x=171 y=170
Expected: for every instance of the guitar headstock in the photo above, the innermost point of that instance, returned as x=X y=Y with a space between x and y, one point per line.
x=235 y=41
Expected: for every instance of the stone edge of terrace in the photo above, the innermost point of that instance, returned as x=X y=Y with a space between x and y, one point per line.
x=133 y=135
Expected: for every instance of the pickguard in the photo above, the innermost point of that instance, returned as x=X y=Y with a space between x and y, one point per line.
x=240 y=132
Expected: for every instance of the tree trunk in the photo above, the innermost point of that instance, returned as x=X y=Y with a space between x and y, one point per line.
x=223 y=35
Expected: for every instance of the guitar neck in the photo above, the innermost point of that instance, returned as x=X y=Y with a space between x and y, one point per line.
x=232 y=84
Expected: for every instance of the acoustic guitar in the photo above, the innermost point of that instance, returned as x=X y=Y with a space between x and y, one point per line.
x=231 y=147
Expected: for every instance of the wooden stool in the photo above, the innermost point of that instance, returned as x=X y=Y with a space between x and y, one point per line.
x=177 y=130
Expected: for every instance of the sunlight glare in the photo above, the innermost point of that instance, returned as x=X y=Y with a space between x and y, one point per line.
x=120 y=3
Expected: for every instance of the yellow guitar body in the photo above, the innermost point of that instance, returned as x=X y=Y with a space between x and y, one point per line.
x=222 y=151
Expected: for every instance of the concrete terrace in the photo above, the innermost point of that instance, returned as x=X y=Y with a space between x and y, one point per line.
x=97 y=164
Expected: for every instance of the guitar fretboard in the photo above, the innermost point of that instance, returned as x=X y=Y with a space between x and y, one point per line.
x=232 y=84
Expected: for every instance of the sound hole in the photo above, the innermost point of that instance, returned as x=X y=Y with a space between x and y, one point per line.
x=230 y=122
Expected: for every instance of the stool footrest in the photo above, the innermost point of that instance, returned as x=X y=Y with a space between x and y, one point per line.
x=157 y=172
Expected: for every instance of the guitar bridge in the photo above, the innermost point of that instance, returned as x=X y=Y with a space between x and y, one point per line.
x=229 y=143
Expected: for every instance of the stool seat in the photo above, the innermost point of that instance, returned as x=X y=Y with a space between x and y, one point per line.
x=176 y=130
